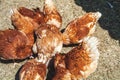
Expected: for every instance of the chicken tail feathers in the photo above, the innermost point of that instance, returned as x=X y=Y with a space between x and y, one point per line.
x=52 y=16
x=49 y=4
x=90 y=44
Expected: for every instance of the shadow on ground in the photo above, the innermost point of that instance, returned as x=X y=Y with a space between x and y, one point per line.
x=110 y=10
x=17 y=74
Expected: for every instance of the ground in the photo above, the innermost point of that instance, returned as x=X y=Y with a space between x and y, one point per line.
x=107 y=31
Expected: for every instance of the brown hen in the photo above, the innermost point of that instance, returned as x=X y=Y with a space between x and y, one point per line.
x=33 y=70
x=82 y=60
x=23 y=23
x=52 y=16
x=61 y=72
x=48 y=42
x=14 y=45
x=81 y=27
x=78 y=63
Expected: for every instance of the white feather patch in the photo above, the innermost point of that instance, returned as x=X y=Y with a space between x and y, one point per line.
x=54 y=22
x=97 y=15
x=90 y=44
x=34 y=48
x=37 y=77
x=49 y=4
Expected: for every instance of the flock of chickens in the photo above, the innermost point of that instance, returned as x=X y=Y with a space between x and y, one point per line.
x=38 y=32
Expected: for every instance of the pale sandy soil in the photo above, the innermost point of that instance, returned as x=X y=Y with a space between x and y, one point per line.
x=108 y=32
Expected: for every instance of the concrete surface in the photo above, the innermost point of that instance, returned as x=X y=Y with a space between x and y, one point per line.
x=108 y=32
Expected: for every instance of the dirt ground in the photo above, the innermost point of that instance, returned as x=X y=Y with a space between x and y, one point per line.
x=108 y=32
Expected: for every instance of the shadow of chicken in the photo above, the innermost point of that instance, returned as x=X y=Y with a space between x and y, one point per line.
x=52 y=16
x=14 y=45
x=48 y=42
x=81 y=27
x=33 y=70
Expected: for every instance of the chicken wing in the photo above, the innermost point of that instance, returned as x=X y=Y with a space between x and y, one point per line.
x=61 y=72
x=81 y=27
x=23 y=23
x=35 y=14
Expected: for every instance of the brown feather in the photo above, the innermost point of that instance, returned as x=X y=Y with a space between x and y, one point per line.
x=49 y=40
x=76 y=59
x=35 y=14
x=61 y=72
x=14 y=45
x=33 y=70
x=52 y=16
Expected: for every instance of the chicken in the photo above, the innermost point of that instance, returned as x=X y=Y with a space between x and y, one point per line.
x=78 y=63
x=61 y=72
x=33 y=70
x=14 y=45
x=36 y=15
x=82 y=60
x=48 y=42
x=24 y=24
x=81 y=27
x=52 y=16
